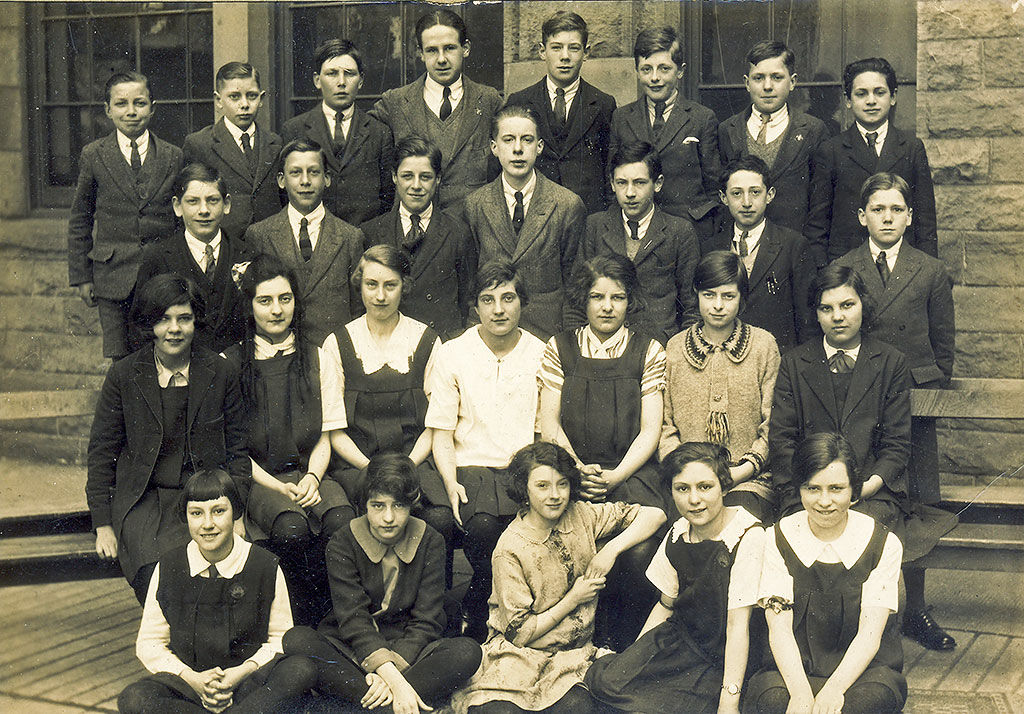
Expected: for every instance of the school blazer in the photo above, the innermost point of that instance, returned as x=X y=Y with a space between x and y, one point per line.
x=361 y=186
x=791 y=171
x=468 y=165
x=665 y=262
x=841 y=166
x=253 y=197
x=913 y=311
x=544 y=251
x=443 y=268
x=222 y=324
x=778 y=283
x=688 y=148
x=875 y=417
x=325 y=284
x=126 y=432
x=578 y=161
x=113 y=216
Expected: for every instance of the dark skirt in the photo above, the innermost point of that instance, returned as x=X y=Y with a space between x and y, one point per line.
x=265 y=504
x=140 y=542
x=642 y=487
x=485 y=492
x=431 y=485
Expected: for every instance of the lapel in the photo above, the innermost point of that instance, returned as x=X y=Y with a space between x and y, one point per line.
x=585 y=107
x=318 y=131
x=793 y=143
x=472 y=114
x=266 y=155
x=156 y=168
x=677 y=122
x=542 y=206
x=612 y=234
x=736 y=128
x=893 y=148
x=768 y=250
x=498 y=218
x=819 y=379
x=180 y=256
x=908 y=264
x=857 y=149
x=636 y=118
x=537 y=97
x=435 y=237
x=144 y=377
x=657 y=233
x=327 y=246
x=860 y=257
x=118 y=168
x=229 y=152
x=283 y=242
x=358 y=131
x=865 y=372
x=200 y=376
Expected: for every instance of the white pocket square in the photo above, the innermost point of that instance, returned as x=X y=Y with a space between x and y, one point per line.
x=691 y=140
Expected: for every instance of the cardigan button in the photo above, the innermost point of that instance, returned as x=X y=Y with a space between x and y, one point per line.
x=717 y=397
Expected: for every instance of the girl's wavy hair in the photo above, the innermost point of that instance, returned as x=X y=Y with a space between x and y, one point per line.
x=615 y=267
x=714 y=456
x=540 y=453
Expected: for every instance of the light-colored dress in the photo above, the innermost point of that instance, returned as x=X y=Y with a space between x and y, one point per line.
x=533 y=570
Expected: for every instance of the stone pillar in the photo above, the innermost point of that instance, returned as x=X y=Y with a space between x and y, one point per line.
x=970 y=90
x=14 y=191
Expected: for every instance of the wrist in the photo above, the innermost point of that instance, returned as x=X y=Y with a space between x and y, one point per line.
x=732 y=690
x=318 y=479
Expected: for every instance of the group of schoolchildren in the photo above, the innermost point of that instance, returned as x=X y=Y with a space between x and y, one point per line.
x=371 y=344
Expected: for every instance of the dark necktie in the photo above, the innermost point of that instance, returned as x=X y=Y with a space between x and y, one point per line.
x=415 y=234
x=338 y=145
x=872 y=137
x=560 y=105
x=250 y=155
x=213 y=572
x=741 y=244
x=762 y=134
x=882 y=263
x=518 y=213
x=211 y=262
x=446 y=104
x=840 y=363
x=659 y=118
x=305 y=246
x=634 y=229
x=136 y=160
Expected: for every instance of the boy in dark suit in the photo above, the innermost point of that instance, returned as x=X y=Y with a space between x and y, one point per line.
x=204 y=253
x=321 y=249
x=684 y=133
x=913 y=300
x=843 y=163
x=783 y=139
x=359 y=149
x=777 y=259
x=239 y=151
x=664 y=248
x=529 y=220
x=442 y=250
x=124 y=192
x=575 y=116
x=445 y=107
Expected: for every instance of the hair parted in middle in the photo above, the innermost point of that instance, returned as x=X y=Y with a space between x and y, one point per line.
x=836 y=276
x=498 y=272
x=613 y=266
x=392 y=258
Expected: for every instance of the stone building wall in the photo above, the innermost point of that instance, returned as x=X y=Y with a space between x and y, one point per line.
x=970 y=91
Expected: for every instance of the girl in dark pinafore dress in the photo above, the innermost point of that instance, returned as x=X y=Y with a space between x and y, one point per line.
x=385 y=358
x=601 y=399
x=692 y=654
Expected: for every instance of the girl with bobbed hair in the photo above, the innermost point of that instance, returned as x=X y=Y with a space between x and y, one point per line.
x=548 y=571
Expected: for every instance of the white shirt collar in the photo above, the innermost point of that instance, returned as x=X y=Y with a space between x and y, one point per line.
x=670 y=103
x=198 y=248
x=164 y=375
x=433 y=92
x=775 y=119
x=601 y=350
x=846 y=549
x=265 y=349
x=404 y=213
x=882 y=131
x=313 y=220
x=125 y=144
x=753 y=235
x=227 y=568
x=397 y=353
x=510 y=193
x=643 y=223
x=731 y=534
x=890 y=254
x=830 y=350
x=330 y=114
x=570 y=91
x=236 y=133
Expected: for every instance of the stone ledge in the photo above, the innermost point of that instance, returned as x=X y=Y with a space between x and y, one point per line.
x=52 y=353
x=983 y=453
x=957 y=19
x=35 y=234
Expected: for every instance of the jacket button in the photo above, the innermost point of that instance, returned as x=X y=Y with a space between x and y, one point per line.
x=902 y=327
x=431 y=324
x=429 y=296
x=717 y=397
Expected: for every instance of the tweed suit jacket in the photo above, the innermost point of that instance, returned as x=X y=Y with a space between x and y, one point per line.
x=114 y=215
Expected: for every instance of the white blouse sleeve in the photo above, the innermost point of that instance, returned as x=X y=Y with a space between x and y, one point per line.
x=882 y=585
x=775 y=578
x=332 y=386
x=745 y=576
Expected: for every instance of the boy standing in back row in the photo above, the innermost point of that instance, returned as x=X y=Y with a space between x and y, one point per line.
x=575 y=116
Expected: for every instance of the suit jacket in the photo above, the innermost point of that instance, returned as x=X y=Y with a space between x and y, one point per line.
x=688 y=148
x=325 y=285
x=253 y=197
x=841 y=166
x=665 y=262
x=467 y=166
x=544 y=251
x=791 y=171
x=223 y=323
x=114 y=215
x=361 y=186
x=578 y=156
x=127 y=430
x=913 y=310
x=443 y=268
x=778 y=283
x=875 y=417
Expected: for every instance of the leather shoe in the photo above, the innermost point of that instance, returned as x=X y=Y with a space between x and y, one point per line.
x=921 y=627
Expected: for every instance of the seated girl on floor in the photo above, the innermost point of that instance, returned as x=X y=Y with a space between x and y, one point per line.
x=548 y=572
x=829 y=586
x=382 y=645
x=214 y=617
x=692 y=653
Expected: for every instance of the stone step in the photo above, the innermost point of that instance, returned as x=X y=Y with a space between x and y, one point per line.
x=35 y=236
x=52 y=352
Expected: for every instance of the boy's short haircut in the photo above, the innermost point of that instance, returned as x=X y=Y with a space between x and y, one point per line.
x=564 y=21
x=721 y=267
x=198 y=171
x=413 y=146
x=871 y=64
x=209 y=485
x=390 y=474
x=297 y=146
x=441 y=17
x=659 y=39
x=509 y=111
x=714 y=456
x=126 y=78
x=767 y=49
x=615 y=267
x=495 y=273
x=818 y=451
x=884 y=181
x=158 y=295
x=636 y=152
x=336 y=48
x=836 y=276
x=237 y=70
x=747 y=162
